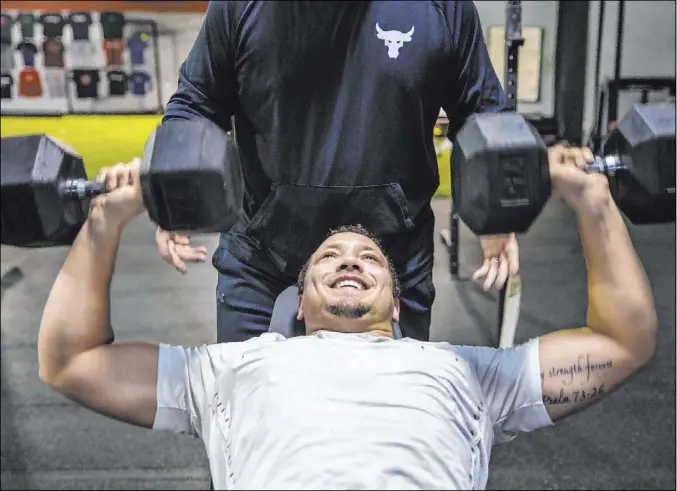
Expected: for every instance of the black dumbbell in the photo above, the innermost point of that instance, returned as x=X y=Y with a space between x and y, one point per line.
x=501 y=179
x=190 y=178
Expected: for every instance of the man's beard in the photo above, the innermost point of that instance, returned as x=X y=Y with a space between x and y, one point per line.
x=348 y=311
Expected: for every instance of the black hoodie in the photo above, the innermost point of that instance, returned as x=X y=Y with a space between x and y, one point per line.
x=334 y=105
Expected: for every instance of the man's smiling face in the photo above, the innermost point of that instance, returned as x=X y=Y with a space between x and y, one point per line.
x=348 y=286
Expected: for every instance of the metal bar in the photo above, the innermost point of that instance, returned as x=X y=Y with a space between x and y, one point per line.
x=453 y=243
x=596 y=133
x=613 y=101
x=513 y=42
x=571 y=61
x=156 y=54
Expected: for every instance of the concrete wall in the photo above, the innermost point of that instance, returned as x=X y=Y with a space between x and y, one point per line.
x=648 y=46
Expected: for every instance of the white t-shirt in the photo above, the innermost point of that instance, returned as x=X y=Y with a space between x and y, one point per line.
x=349 y=411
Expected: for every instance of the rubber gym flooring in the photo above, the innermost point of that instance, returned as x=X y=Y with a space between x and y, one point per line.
x=624 y=442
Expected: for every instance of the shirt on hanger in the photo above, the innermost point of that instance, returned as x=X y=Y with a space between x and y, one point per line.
x=112 y=24
x=6 y=83
x=6 y=57
x=80 y=22
x=52 y=25
x=81 y=54
x=114 y=50
x=27 y=23
x=29 y=83
x=117 y=83
x=137 y=44
x=86 y=83
x=6 y=23
x=56 y=83
x=139 y=83
x=28 y=51
x=53 y=50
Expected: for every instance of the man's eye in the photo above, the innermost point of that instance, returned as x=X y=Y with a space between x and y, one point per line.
x=371 y=257
x=328 y=255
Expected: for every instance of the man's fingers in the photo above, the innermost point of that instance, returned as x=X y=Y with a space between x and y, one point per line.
x=162 y=240
x=111 y=181
x=502 y=273
x=587 y=153
x=491 y=275
x=574 y=156
x=513 y=256
x=482 y=271
x=181 y=239
x=191 y=254
x=580 y=157
x=176 y=260
x=123 y=173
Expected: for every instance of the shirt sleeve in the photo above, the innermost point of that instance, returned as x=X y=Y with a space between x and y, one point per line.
x=473 y=86
x=511 y=383
x=186 y=377
x=207 y=81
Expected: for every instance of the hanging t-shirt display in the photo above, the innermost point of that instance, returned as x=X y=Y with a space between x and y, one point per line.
x=80 y=22
x=6 y=83
x=114 y=50
x=137 y=44
x=112 y=24
x=117 y=83
x=29 y=83
x=86 y=83
x=28 y=52
x=52 y=61
x=53 y=50
x=27 y=23
x=6 y=57
x=82 y=54
x=52 y=25
x=56 y=83
x=6 y=23
x=139 y=83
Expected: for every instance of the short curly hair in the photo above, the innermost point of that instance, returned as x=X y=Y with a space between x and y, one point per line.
x=355 y=229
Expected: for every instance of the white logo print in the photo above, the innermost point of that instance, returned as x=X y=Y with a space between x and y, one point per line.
x=394 y=40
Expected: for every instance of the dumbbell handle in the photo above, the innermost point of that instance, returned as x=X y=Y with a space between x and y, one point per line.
x=606 y=165
x=79 y=189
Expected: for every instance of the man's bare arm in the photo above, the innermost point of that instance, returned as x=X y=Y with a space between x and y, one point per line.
x=76 y=353
x=579 y=367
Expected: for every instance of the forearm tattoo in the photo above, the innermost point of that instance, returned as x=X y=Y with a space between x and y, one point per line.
x=575 y=380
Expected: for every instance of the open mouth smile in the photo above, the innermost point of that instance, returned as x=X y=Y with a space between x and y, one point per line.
x=349 y=281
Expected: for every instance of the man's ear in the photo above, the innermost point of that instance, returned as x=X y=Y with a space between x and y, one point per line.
x=299 y=314
x=396 y=310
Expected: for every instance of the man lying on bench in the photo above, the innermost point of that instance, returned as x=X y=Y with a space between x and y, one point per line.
x=347 y=406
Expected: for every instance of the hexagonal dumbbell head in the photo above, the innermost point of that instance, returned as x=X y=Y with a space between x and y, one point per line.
x=500 y=175
x=191 y=177
x=644 y=142
x=33 y=212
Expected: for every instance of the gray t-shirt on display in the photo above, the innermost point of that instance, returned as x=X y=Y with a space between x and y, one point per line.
x=349 y=411
x=6 y=57
x=56 y=82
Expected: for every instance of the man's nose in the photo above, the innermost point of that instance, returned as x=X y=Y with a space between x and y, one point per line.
x=349 y=263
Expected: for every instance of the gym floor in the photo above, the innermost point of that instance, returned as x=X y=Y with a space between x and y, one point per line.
x=624 y=442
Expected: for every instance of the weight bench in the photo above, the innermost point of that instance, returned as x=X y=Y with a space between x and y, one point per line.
x=283 y=320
